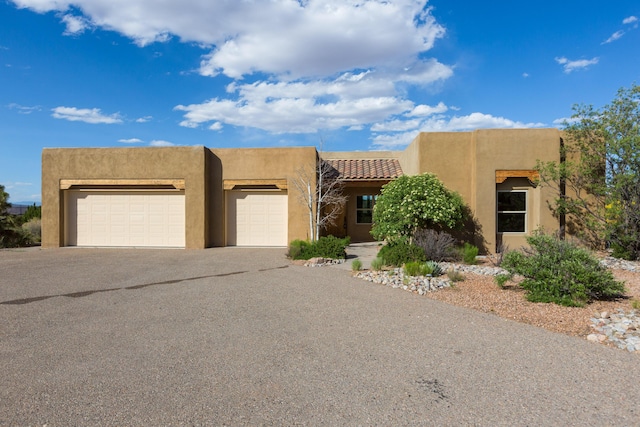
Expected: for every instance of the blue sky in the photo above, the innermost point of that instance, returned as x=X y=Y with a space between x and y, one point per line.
x=355 y=74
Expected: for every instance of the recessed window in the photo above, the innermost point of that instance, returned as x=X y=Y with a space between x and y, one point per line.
x=364 y=209
x=512 y=211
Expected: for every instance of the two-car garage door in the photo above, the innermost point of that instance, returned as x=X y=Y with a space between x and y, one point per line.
x=125 y=218
x=156 y=218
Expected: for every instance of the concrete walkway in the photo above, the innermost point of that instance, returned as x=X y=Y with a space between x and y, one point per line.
x=242 y=337
x=365 y=252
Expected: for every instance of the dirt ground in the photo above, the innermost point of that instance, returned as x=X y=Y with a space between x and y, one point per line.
x=482 y=293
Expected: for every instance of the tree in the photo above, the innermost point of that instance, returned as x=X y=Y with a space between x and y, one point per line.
x=410 y=203
x=321 y=191
x=598 y=177
x=10 y=234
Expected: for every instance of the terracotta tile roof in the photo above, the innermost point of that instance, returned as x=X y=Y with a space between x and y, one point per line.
x=367 y=169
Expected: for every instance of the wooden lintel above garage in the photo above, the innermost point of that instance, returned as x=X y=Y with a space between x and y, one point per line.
x=230 y=184
x=66 y=184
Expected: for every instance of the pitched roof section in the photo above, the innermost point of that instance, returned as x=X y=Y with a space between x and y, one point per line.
x=367 y=169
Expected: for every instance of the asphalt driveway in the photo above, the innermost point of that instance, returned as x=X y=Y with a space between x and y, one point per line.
x=241 y=337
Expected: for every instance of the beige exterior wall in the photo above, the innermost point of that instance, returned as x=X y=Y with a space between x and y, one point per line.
x=466 y=162
x=260 y=166
x=164 y=163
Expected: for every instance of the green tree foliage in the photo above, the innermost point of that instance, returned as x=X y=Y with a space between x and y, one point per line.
x=11 y=235
x=32 y=212
x=560 y=272
x=601 y=173
x=410 y=203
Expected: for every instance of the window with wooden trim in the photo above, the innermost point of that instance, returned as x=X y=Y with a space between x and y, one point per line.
x=364 y=208
x=512 y=211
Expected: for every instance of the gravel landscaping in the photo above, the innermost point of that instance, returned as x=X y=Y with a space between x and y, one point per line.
x=613 y=323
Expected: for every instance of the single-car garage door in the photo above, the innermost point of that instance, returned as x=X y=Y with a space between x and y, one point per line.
x=125 y=218
x=257 y=218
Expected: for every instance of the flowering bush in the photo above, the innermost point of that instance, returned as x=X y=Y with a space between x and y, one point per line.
x=413 y=202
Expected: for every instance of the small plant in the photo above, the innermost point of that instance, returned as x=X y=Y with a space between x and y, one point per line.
x=34 y=228
x=455 y=276
x=416 y=269
x=469 y=253
x=377 y=264
x=401 y=252
x=437 y=245
x=435 y=268
x=560 y=272
x=356 y=265
x=502 y=279
x=635 y=304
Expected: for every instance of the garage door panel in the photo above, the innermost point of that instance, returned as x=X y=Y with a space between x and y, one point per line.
x=257 y=218
x=125 y=218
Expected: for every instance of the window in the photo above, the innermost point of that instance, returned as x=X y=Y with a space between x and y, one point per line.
x=364 y=209
x=512 y=211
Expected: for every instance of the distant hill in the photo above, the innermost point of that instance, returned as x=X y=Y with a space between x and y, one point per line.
x=19 y=208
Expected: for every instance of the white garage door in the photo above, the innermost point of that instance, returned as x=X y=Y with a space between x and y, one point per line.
x=125 y=218
x=257 y=218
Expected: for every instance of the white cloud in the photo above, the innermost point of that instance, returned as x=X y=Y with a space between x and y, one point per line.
x=440 y=123
x=525 y=75
x=24 y=109
x=426 y=110
x=320 y=64
x=144 y=119
x=130 y=141
x=615 y=36
x=396 y=125
x=93 y=115
x=570 y=66
x=349 y=101
x=287 y=37
x=74 y=24
x=630 y=20
x=565 y=120
x=161 y=143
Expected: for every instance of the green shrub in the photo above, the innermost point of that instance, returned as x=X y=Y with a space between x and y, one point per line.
x=502 y=279
x=298 y=248
x=34 y=228
x=469 y=253
x=560 y=272
x=400 y=253
x=326 y=247
x=377 y=264
x=356 y=265
x=331 y=247
x=416 y=269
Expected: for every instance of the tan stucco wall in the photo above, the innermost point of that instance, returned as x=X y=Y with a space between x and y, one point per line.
x=260 y=164
x=466 y=162
x=512 y=149
x=448 y=155
x=186 y=163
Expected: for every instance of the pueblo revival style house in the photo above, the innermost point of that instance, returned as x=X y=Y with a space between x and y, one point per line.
x=198 y=197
